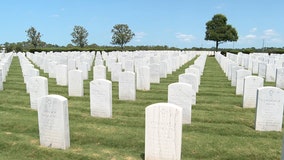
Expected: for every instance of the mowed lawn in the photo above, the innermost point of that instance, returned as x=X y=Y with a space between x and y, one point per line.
x=220 y=129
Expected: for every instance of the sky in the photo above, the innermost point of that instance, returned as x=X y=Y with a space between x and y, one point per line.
x=175 y=23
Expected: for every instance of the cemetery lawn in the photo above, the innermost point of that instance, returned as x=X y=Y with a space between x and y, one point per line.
x=220 y=129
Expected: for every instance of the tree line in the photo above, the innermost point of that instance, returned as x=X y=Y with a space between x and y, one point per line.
x=217 y=30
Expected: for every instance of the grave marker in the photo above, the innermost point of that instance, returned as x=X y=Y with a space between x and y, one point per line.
x=241 y=74
x=101 y=98
x=269 y=109
x=180 y=94
x=280 y=77
x=38 y=87
x=126 y=86
x=75 y=83
x=53 y=121
x=163 y=132
x=251 y=83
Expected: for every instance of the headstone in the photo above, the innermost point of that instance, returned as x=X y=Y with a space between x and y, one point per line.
x=194 y=71
x=186 y=78
x=126 y=86
x=163 y=69
x=251 y=83
x=261 y=69
x=269 y=109
x=143 y=78
x=31 y=73
x=254 y=66
x=75 y=83
x=52 y=69
x=38 y=87
x=154 y=73
x=115 y=71
x=280 y=77
x=234 y=75
x=163 y=131
x=241 y=74
x=71 y=64
x=53 y=121
x=129 y=66
x=190 y=78
x=270 y=73
x=180 y=94
x=99 y=72
x=84 y=68
x=62 y=75
x=101 y=98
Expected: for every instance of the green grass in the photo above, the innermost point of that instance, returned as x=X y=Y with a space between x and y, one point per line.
x=220 y=129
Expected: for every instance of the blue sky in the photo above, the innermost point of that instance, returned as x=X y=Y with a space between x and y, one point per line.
x=176 y=23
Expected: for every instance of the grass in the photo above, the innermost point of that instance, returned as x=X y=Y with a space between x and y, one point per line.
x=220 y=129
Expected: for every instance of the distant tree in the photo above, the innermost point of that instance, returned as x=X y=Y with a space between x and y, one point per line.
x=34 y=37
x=219 y=31
x=121 y=35
x=69 y=45
x=80 y=35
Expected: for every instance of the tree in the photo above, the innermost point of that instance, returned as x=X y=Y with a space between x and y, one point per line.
x=219 y=31
x=121 y=35
x=80 y=35
x=34 y=36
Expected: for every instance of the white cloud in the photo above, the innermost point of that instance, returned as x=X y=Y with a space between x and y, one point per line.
x=269 y=34
x=185 y=37
x=139 y=36
x=250 y=36
x=253 y=30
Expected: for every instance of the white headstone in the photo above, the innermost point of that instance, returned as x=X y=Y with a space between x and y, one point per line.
x=194 y=71
x=190 y=78
x=126 y=86
x=269 y=109
x=53 y=121
x=84 y=68
x=143 y=78
x=154 y=73
x=251 y=83
x=270 y=74
x=30 y=73
x=254 y=66
x=52 y=69
x=180 y=94
x=241 y=74
x=38 y=87
x=280 y=77
x=75 y=83
x=163 y=69
x=163 y=132
x=261 y=69
x=129 y=66
x=71 y=64
x=99 y=72
x=101 y=98
x=186 y=78
x=115 y=71
x=62 y=75
x=234 y=75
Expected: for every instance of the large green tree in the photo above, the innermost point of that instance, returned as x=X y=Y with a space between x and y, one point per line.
x=34 y=37
x=122 y=34
x=80 y=35
x=219 y=31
